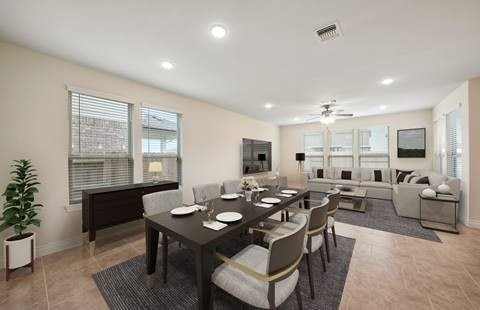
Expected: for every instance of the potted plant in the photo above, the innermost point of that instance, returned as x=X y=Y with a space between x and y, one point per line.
x=19 y=212
x=248 y=184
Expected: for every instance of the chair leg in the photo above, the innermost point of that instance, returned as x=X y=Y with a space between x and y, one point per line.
x=310 y=275
x=325 y=237
x=334 y=236
x=271 y=295
x=299 y=297
x=322 y=256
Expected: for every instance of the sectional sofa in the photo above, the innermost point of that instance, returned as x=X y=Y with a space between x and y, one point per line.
x=383 y=184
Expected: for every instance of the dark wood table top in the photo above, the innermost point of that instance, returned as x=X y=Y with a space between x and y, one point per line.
x=189 y=228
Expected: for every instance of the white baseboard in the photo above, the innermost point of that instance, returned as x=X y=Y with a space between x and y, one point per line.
x=71 y=242
x=474 y=223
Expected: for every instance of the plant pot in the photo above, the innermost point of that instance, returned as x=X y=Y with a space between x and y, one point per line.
x=248 y=195
x=20 y=250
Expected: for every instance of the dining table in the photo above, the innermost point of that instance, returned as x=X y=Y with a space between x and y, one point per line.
x=189 y=231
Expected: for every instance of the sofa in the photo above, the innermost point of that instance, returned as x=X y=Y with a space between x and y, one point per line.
x=382 y=184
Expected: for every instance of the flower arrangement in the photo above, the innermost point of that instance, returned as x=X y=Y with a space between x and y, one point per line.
x=248 y=183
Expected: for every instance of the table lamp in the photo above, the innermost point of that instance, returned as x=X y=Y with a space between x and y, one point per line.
x=155 y=167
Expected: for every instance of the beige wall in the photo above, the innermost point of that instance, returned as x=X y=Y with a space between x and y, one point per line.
x=34 y=123
x=291 y=138
x=474 y=143
x=458 y=97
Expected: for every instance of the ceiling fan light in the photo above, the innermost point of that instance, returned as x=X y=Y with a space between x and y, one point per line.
x=327 y=120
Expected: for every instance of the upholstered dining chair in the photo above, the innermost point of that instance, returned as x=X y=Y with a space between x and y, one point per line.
x=159 y=202
x=231 y=186
x=317 y=224
x=206 y=192
x=334 y=197
x=261 y=277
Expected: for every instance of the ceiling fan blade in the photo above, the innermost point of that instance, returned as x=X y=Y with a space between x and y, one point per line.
x=344 y=114
x=338 y=111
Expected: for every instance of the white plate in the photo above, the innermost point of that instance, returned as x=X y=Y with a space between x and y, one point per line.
x=228 y=217
x=229 y=196
x=183 y=210
x=271 y=200
x=289 y=191
x=260 y=189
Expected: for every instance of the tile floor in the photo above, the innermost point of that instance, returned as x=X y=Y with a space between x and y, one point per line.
x=387 y=271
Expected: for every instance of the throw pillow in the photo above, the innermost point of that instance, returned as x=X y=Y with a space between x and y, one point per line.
x=401 y=174
x=410 y=178
x=377 y=174
x=423 y=180
x=320 y=173
x=346 y=175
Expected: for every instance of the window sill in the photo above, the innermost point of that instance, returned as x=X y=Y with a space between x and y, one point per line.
x=73 y=208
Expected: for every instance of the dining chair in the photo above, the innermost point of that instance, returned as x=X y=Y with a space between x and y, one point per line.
x=264 y=278
x=206 y=192
x=231 y=186
x=334 y=197
x=317 y=224
x=159 y=202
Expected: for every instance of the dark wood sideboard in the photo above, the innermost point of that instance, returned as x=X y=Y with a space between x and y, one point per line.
x=109 y=206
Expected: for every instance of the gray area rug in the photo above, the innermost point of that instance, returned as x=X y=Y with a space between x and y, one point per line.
x=123 y=286
x=381 y=215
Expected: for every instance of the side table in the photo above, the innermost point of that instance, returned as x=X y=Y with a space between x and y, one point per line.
x=441 y=226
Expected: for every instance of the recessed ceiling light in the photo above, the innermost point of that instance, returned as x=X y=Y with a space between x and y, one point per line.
x=382 y=107
x=167 y=65
x=268 y=105
x=296 y=119
x=218 y=31
x=387 y=81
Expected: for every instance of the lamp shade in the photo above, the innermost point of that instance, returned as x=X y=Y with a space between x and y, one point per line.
x=300 y=156
x=155 y=166
x=262 y=157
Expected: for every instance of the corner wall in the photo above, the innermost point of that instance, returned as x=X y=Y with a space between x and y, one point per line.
x=474 y=151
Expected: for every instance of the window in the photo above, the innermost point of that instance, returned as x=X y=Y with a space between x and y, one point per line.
x=313 y=148
x=100 y=150
x=454 y=143
x=440 y=148
x=373 y=147
x=341 y=148
x=161 y=143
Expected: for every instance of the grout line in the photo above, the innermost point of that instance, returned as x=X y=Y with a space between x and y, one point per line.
x=45 y=282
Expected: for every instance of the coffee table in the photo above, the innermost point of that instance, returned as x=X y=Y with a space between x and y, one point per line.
x=353 y=198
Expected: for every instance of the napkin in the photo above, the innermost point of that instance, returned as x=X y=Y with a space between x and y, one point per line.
x=284 y=195
x=199 y=207
x=215 y=225
x=264 y=205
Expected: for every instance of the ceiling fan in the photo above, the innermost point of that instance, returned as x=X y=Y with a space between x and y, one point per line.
x=329 y=115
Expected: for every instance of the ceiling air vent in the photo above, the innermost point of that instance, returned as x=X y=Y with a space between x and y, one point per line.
x=329 y=32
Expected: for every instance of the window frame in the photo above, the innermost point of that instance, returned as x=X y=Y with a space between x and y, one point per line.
x=351 y=156
x=322 y=156
x=71 y=156
x=373 y=155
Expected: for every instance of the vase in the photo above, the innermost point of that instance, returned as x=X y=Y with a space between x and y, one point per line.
x=18 y=251
x=428 y=192
x=443 y=188
x=248 y=195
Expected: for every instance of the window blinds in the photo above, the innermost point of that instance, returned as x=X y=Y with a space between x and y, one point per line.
x=313 y=148
x=161 y=143
x=341 y=148
x=454 y=143
x=100 y=150
x=373 y=147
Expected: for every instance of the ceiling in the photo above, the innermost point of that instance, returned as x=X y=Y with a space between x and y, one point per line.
x=271 y=53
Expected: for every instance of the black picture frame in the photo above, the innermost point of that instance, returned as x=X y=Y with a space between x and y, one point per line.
x=411 y=143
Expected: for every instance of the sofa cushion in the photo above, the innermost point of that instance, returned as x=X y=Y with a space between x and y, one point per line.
x=423 y=180
x=365 y=174
x=376 y=184
x=435 y=178
x=401 y=174
x=356 y=172
x=346 y=175
x=346 y=182
x=319 y=180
